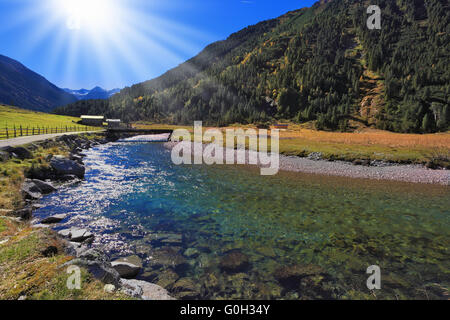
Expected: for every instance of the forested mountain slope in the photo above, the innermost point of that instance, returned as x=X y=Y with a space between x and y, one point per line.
x=19 y=86
x=317 y=64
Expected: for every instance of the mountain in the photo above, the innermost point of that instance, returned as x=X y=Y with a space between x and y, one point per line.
x=320 y=64
x=22 y=87
x=95 y=93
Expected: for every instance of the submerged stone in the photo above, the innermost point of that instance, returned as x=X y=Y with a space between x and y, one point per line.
x=128 y=267
x=234 y=261
x=290 y=276
x=166 y=257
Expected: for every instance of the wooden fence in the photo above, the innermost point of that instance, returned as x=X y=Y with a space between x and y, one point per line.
x=22 y=131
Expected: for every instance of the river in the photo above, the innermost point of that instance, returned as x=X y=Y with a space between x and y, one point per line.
x=214 y=232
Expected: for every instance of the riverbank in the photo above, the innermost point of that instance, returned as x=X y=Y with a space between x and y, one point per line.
x=430 y=150
x=375 y=169
x=34 y=260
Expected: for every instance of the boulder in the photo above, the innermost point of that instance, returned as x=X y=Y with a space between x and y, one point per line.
x=64 y=167
x=234 y=261
x=45 y=187
x=80 y=235
x=74 y=249
x=97 y=262
x=54 y=219
x=167 y=257
x=144 y=290
x=76 y=235
x=19 y=152
x=31 y=191
x=186 y=288
x=128 y=267
x=25 y=213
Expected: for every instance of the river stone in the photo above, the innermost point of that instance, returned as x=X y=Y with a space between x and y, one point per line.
x=25 y=213
x=234 y=261
x=19 y=152
x=54 y=219
x=186 y=288
x=128 y=267
x=76 y=235
x=109 y=288
x=166 y=257
x=75 y=248
x=97 y=262
x=80 y=235
x=144 y=290
x=45 y=187
x=31 y=191
x=290 y=276
x=64 y=167
x=167 y=278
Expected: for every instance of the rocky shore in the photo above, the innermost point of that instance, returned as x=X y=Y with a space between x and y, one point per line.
x=378 y=170
x=117 y=275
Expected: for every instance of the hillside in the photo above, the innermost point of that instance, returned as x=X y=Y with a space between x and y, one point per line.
x=13 y=116
x=319 y=64
x=22 y=87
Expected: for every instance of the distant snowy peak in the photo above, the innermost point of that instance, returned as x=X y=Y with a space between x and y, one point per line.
x=95 y=93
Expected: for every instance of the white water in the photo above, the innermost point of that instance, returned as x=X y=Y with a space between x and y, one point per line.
x=149 y=138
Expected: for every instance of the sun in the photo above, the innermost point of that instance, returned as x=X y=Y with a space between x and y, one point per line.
x=91 y=15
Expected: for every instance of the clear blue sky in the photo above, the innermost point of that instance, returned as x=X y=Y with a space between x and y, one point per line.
x=116 y=43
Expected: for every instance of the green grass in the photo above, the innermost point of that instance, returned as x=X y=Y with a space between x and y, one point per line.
x=10 y=116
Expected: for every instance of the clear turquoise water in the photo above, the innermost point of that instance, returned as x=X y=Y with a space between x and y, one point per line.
x=133 y=197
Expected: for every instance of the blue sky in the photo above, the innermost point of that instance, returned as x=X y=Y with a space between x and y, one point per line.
x=116 y=43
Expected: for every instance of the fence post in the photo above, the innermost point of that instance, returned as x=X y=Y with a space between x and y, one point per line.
x=21 y=133
x=7 y=134
x=15 y=133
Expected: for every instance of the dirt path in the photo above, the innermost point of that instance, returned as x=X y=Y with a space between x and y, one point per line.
x=30 y=139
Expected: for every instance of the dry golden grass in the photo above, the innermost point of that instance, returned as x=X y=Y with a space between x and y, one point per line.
x=373 y=137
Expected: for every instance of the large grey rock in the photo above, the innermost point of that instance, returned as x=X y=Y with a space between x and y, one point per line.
x=97 y=262
x=31 y=191
x=128 y=267
x=54 y=219
x=18 y=152
x=76 y=235
x=45 y=187
x=144 y=290
x=64 y=167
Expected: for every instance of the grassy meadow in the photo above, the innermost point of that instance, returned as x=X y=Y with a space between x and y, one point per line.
x=10 y=116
